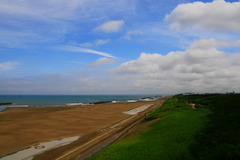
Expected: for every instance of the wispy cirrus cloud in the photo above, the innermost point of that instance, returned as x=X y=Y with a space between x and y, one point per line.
x=85 y=50
x=9 y=65
x=97 y=42
x=87 y=44
x=101 y=41
x=49 y=20
x=129 y=34
x=52 y=10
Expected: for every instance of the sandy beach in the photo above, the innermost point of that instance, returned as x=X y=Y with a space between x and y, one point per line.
x=24 y=127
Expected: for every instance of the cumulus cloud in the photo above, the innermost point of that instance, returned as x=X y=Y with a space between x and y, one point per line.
x=200 y=68
x=103 y=61
x=210 y=43
x=214 y=16
x=9 y=65
x=110 y=26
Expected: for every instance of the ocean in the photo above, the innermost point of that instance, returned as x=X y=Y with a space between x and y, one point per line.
x=61 y=100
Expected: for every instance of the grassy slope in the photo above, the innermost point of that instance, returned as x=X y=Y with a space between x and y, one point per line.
x=210 y=132
x=168 y=138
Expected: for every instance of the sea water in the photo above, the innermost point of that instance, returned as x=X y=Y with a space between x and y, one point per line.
x=62 y=100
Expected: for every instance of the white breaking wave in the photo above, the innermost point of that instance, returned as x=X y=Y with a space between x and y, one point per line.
x=74 y=104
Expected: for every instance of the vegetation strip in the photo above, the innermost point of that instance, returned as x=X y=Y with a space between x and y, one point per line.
x=209 y=131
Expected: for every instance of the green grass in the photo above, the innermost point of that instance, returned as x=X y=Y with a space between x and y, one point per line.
x=209 y=132
x=168 y=138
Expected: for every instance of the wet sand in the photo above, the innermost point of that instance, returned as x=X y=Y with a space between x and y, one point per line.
x=24 y=127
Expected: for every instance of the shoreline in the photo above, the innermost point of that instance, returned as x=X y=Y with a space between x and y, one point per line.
x=5 y=105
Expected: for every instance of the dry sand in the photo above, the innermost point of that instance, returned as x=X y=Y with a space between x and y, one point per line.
x=24 y=127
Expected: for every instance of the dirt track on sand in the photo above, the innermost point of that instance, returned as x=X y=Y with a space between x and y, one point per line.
x=23 y=127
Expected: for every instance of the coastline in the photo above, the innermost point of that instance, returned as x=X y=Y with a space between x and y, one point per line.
x=43 y=101
x=24 y=127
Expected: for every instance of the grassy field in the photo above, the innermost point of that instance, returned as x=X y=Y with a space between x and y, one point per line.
x=211 y=131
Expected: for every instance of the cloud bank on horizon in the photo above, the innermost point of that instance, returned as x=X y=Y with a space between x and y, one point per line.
x=137 y=47
x=202 y=67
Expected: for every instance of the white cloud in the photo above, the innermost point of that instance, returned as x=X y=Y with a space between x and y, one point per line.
x=103 y=61
x=129 y=34
x=10 y=65
x=101 y=41
x=208 y=44
x=85 y=50
x=201 y=68
x=110 y=26
x=214 y=16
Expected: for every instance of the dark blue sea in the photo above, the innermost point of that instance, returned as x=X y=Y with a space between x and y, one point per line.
x=61 y=100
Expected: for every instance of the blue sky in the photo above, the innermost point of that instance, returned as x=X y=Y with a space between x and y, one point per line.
x=119 y=47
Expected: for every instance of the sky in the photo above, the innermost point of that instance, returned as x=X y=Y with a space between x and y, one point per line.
x=102 y=47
